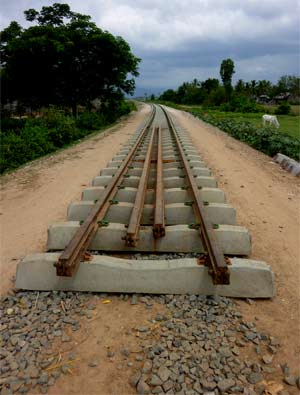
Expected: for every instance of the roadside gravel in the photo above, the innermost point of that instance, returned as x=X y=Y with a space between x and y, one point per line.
x=197 y=345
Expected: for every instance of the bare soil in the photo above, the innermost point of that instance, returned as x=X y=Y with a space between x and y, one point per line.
x=267 y=202
x=39 y=193
x=266 y=199
x=113 y=328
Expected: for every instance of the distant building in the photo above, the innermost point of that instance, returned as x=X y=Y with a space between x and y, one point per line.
x=282 y=97
x=263 y=99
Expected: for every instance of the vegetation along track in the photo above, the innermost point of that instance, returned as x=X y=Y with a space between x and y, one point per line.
x=156 y=196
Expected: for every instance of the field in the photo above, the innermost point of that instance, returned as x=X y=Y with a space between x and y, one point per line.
x=289 y=124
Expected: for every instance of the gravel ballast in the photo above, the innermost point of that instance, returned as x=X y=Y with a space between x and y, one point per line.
x=194 y=345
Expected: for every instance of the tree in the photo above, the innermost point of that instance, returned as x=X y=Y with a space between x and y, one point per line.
x=289 y=83
x=253 y=85
x=226 y=72
x=240 y=87
x=65 y=60
x=264 y=87
x=169 y=95
x=210 y=84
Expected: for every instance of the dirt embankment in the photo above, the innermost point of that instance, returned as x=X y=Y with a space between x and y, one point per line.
x=266 y=199
x=38 y=194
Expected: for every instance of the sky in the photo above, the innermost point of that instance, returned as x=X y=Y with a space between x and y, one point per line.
x=179 y=40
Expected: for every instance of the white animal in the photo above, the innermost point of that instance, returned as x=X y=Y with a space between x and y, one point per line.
x=272 y=119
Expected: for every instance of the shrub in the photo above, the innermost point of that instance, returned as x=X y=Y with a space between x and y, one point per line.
x=15 y=124
x=265 y=139
x=91 y=121
x=126 y=107
x=240 y=104
x=17 y=149
x=283 y=109
x=22 y=140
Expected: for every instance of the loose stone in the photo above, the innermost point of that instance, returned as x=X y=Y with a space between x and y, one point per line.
x=290 y=380
x=155 y=380
x=267 y=359
x=226 y=384
x=93 y=364
x=254 y=378
x=134 y=299
x=143 y=388
x=143 y=329
x=163 y=373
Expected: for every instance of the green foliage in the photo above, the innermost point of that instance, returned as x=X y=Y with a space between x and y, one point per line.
x=64 y=60
x=289 y=83
x=24 y=140
x=169 y=95
x=15 y=124
x=32 y=143
x=283 y=109
x=126 y=107
x=265 y=139
x=240 y=104
x=90 y=120
x=215 y=98
x=226 y=73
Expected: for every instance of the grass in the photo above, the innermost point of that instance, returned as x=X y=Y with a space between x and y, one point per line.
x=289 y=124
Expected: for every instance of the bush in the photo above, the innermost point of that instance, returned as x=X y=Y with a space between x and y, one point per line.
x=126 y=107
x=91 y=121
x=15 y=124
x=265 y=139
x=17 y=149
x=283 y=109
x=240 y=104
x=22 y=140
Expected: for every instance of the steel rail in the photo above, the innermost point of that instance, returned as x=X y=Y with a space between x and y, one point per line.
x=159 y=214
x=131 y=237
x=216 y=262
x=70 y=258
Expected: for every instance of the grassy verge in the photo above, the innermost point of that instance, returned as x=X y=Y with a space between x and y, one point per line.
x=289 y=124
x=247 y=127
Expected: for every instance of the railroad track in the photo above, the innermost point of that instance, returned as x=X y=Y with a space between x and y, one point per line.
x=156 y=196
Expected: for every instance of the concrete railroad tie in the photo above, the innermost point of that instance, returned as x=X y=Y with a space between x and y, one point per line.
x=248 y=278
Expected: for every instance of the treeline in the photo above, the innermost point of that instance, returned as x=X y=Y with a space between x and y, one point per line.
x=57 y=70
x=243 y=96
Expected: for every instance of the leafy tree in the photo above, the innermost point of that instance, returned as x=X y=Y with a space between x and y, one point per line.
x=226 y=72
x=289 y=83
x=65 y=60
x=169 y=95
x=240 y=86
x=253 y=85
x=264 y=87
x=210 y=85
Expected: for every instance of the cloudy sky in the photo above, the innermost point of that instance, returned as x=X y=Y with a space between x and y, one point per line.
x=179 y=40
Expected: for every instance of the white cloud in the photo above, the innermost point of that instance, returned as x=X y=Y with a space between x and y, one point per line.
x=179 y=40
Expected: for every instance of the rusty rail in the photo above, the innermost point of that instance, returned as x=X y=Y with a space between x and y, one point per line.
x=159 y=214
x=215 y=258
x=70 y=258
x=131 y=237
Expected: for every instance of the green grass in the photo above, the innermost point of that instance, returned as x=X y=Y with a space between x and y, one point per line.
x=289 y=124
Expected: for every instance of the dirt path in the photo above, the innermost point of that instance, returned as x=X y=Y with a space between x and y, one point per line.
x=38 y=194
x=266 y=199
